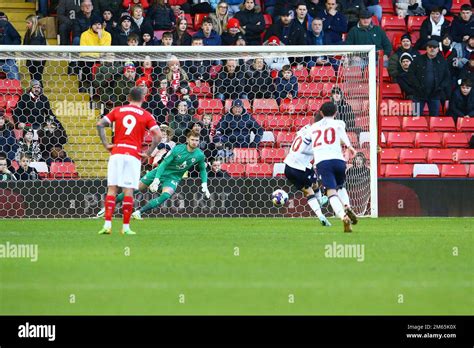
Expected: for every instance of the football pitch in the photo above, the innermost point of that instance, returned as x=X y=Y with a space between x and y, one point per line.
x=401 y=266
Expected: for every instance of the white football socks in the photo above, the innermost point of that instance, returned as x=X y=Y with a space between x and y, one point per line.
x=344 y=197
x=313 y=203
x=337 y=206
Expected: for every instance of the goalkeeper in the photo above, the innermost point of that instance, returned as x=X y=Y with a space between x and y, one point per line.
x=170 y=172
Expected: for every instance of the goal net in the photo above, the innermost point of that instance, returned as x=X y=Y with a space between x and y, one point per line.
x=51 y=107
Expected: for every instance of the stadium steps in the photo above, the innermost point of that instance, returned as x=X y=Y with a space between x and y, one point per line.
x=17 y=11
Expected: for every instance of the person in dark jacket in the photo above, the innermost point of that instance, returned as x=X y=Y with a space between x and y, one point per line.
x=358 y=183
x=34 y=36
x=252 y=22
x=315 y=7
x=110 y=22
x=259 y=82
x=286 y=85
x=82 y=21
x=232 y=32
x=148 y=35
x=429 y=75
x=33 y=108
x=67 y=11
x=158 y=100
x=431 y=5
x=405 y=47
x=180 y=121
x=282 y=7
x=198 y=70
x=302 y=17
x=216 y=170
x=402 y=75
x=9 y=36
x=161 y=15
x=334 y=22
x=25 y=172
x=50 y=136
x=235 y=128
x=344 y=109
x=8 y=143
x=208 y=35
x=123 y=31
x=289 y=32
x=449 y=53
x=461 y=103
x=467 y=71
x=183 y=93
x=433 y=27
x=230 y=82
x=351 y=9
x=181 y=37
x=463 y=25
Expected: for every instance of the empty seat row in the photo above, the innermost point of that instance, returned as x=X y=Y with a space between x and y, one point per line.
x=426 y=123
x=441 y=156
x=423 y=139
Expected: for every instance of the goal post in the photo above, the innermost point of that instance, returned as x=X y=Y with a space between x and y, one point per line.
x=255 y=171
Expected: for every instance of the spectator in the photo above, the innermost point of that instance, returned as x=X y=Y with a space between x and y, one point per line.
x=145 y=84
x=5 y=173
x=240 y=40
x=461 y=103
x=405 y=47
x=114 y=6
x=302 y=17
x=283 y=7
x=33 y=108
x=234 y=7
x=123 y=31
x=208 y=34
x=58 y=155
x=148 y=35
x=129 y=4
x=105 y=76
x=374 y=8
x=180 y=121
x=315 y=7
x=82 y=21
x=50 y=136
x=230 y=82
x=448 y=51
x=229 y=37
x=259 y=82
x=29 y=147
x=402 y=77
x=443 y=5
x=275 y=61
x=147 y=70
x=467 y=72
x=183 y=94
x=181 y=37
x=198 y=70
x=3 y=155
x=116 y=92
x=351 y=9
x=287 y=31
x=94 y=36
x=67 y=11
x=25 y=172
x=358 y=183
x=34 y=36
x=463 y=25
x=251 y=21
x=430 y=78
x=316 y=36
x=109 y=22
x=365 y=33
x=9 y=36
x=167 y=39
x=207 y=135
x=137 y=17
x=220 y=17
x=344 y=109
x=269 y=6
x=133 y=39
x=165 y=146
x=8 y=143
x=200 y=6
x=286 y=85
x=464 y=51
x=334 y=23
x=433 y=28
x=161 y=15
x=234 y=129
x=216 y=169
x=409 y=8
x=175 y=74
x=158 y=101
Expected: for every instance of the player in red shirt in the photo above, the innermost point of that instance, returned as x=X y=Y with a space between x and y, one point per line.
x=123 y=169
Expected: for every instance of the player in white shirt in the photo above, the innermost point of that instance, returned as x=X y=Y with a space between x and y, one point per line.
x=299 y=171
x=326 y=137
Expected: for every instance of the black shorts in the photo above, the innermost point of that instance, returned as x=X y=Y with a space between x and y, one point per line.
x=301 y=179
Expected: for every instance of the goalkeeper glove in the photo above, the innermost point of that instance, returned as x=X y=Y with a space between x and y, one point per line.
x=205 y=191
x=154 y=185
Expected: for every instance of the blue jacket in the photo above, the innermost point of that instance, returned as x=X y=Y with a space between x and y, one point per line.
x=213 y=40
x=236 y=130
x=333 y=26
x=8 y=34
x=312 y=39
x=8 y=143
x=285 y=87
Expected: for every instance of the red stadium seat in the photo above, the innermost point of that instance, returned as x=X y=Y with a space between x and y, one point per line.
x=442 y=124
x=272 y=155
x=456 y=7
x=391 y=90
x=390 y=123
x=307 y=89
x=158 y=34
x=300 y=122
x=203 y=91
x=214 y=71
x=279 y=122
x=322 y=73
x=245 y=155
x=396 y=40
x=392 y=35
x=399 y=171
x=234 y=169
x=382 y=169
x=400 y=139
x=60 y=170
x=284 y=138
x=293 y=106
x=198 y=18
x=455 y=140
x=265 y=105
x=10 y=87
x=315 y=104
x=261 y=119
x=264 y=170
x=465 y=124
x=471 y=171
x=465 y=155
x=387 y=6
x=212 y=106
x=389 y=156
x=386 y=75
x=453 y=171
x=393 y=23
x=417 y=124
x=300 y=74
x=412 y=156
x=425 y=139
x=440 y=156
x=8 y=102
x=390 y=107
x=268 y=20
x=351 y=73
x=414 y=23
x=228 y=104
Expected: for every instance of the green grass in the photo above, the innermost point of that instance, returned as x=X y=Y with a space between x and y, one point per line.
x=278 y=257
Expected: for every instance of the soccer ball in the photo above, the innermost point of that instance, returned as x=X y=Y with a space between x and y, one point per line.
x=279 y=198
